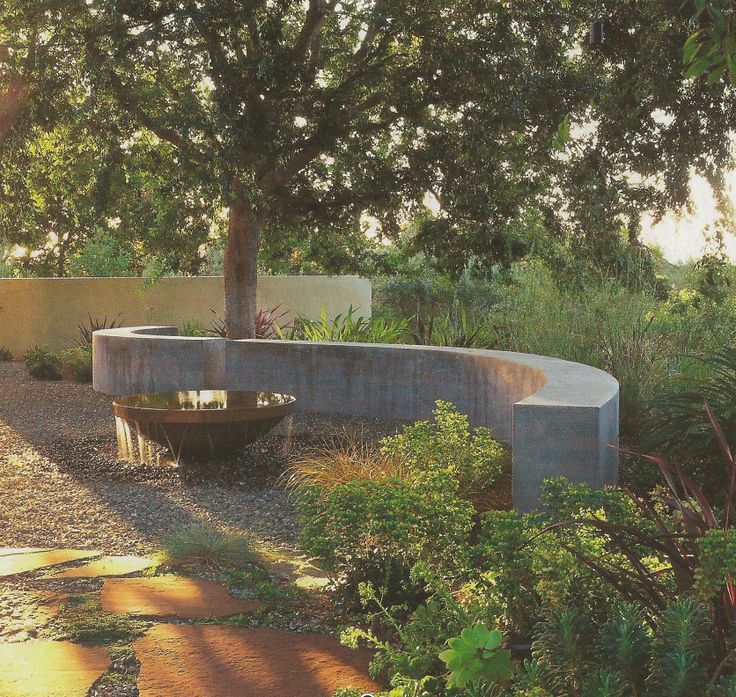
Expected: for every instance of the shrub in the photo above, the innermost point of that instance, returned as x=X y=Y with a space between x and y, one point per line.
x=624 y=656
x=76 y=364
x=5 y=354
x=349 y=327
x=43 y=364
x=681 y=426
x=192 y=328
x=456 y=328
x=102 y=255
x=377 y=530
x=447 y=447
x=205 y=544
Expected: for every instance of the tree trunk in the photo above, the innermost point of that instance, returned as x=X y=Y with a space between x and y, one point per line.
x=241 y=268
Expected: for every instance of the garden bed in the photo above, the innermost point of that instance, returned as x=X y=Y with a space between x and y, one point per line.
x=61 y=483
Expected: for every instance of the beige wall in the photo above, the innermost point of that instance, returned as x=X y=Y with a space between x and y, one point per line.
x=47 y=310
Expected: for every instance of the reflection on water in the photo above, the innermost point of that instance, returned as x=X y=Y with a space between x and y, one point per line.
x=200 y=400
x=193 y=425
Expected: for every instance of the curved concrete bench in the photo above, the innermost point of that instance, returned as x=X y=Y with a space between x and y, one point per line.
x=559 y=417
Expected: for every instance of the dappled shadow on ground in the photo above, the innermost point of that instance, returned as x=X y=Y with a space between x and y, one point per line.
x=224 y=661
x=61 y=484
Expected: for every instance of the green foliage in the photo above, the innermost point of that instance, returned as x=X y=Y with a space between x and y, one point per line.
x=534 y=573
x=376 y=531
x=5 y=354
x=681 y=426
x=422 y=634
x=372 y=517
x=199 y=543
x=717 y=563
x=679 y=649
x=710 y=51
x=625 y=643
x=42 y=363
x=456 y=328
x=564 y=645
x=446 y=447
x=623 y=657
x=192 y=328
x=101 y=255
x=85 y=622
x=348 y=327
x=726 y=687
x=477 y=655
x=76 y=363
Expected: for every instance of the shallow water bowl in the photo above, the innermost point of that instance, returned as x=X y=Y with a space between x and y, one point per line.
x=196 y=425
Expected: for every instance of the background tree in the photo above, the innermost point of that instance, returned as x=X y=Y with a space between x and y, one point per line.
x=306 y=116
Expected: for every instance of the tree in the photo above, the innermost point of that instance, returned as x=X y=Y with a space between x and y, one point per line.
x=308 y=114
x=311 y=111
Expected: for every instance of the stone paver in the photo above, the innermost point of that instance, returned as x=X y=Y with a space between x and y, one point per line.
x=50 y=668
x=24 y=612
x=171 y=596
x=217 y=661
x=5 y=551
x=31 y=561
x=108 y=566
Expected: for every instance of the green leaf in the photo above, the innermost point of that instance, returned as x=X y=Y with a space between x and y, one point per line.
x=716 y=75
x=494 y=640
x=691 y=48
x=697 y=68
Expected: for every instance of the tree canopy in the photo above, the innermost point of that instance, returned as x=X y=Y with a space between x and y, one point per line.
x=302 y=116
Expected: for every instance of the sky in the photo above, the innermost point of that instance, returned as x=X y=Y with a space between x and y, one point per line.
x=681 y=236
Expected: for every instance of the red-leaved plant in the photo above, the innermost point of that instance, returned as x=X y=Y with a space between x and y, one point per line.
x=689 y=540
x=267 y=326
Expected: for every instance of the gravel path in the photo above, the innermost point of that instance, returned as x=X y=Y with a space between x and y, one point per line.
x=61 y=486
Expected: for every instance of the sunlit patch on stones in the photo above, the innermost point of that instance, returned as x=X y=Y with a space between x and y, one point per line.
x=50 y=668
x=172 y=596
x=108 y=566
x=8 y=551
x=31 y=561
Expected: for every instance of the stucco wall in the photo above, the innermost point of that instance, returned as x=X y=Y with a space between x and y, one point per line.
x=47 y=310
x=561 y=418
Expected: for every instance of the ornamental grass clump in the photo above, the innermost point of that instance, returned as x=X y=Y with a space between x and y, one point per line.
x=344 y=460
x=199 y=543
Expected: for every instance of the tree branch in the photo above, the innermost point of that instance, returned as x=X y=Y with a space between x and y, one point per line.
x=326 y=134
x=313 y=22
x=127 y=100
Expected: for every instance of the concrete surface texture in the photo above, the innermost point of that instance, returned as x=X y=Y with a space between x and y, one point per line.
x=560 y=418
x=46 y=311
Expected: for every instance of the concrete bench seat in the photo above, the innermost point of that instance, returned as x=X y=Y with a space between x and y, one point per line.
x=560 y=418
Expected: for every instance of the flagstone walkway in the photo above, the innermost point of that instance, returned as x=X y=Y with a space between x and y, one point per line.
x=177 y=638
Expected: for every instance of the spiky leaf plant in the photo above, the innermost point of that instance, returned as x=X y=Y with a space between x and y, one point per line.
x=606 y=683
x=564 y=645
x=625 y=643
x=679 y=649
